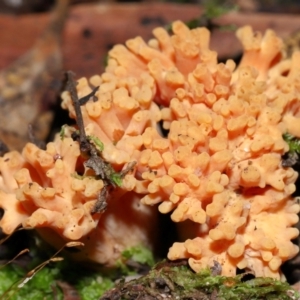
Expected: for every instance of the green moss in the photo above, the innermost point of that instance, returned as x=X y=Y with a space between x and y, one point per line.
x=91 y=288
x=116 y=178
x=169 y=281
x=293 y=142
x=231 y=288
x=8 y=276
x=212 y=9
x=43 y=285
x=89 y=284
x=99 y=145
x=40 y=286
x=177 y=282
x=62 y=132
x=217 y=8
x=139 y=254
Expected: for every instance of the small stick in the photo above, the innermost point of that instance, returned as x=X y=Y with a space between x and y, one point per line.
x=71 y=87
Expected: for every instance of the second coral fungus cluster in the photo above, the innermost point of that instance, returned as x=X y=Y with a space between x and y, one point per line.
x=219 y=169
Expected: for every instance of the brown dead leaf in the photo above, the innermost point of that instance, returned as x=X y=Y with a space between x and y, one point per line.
x=25 y=85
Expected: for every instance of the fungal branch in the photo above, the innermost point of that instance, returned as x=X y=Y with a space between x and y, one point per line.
x=91 y=147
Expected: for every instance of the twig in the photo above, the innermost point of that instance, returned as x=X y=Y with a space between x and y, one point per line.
x=86 y=98
x=103 y=170
x=101 y=203
x=71 y=87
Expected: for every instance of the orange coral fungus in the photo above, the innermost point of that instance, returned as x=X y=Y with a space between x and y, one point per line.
x=117 y=117
x=14 y=213
x=41 y=189
x=48 y=195
x=219 y=170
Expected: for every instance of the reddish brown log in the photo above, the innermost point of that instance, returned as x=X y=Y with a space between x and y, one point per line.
x=92 y=29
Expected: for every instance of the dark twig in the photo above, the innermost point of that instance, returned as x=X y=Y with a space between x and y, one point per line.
x=101 y=203
x=103 y=170
x=71 y=87
x=86 y=98
x=128 y=169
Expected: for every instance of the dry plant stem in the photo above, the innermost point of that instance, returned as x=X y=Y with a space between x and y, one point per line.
x=94 y=162
x=102 y=169
x=86 y=98
x=33 y=139
x=79 y=120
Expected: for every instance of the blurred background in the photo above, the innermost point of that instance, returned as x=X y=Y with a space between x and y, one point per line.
x=275 y=6
x=93 y=27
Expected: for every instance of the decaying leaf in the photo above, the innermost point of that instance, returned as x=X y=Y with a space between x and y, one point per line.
x=26 y=84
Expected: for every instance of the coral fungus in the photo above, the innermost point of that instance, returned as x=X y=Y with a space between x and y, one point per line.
x=219 y=169
x=42 y=189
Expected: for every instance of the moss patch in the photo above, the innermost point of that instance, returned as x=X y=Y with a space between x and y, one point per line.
x=56 y=280
x=169 y=281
